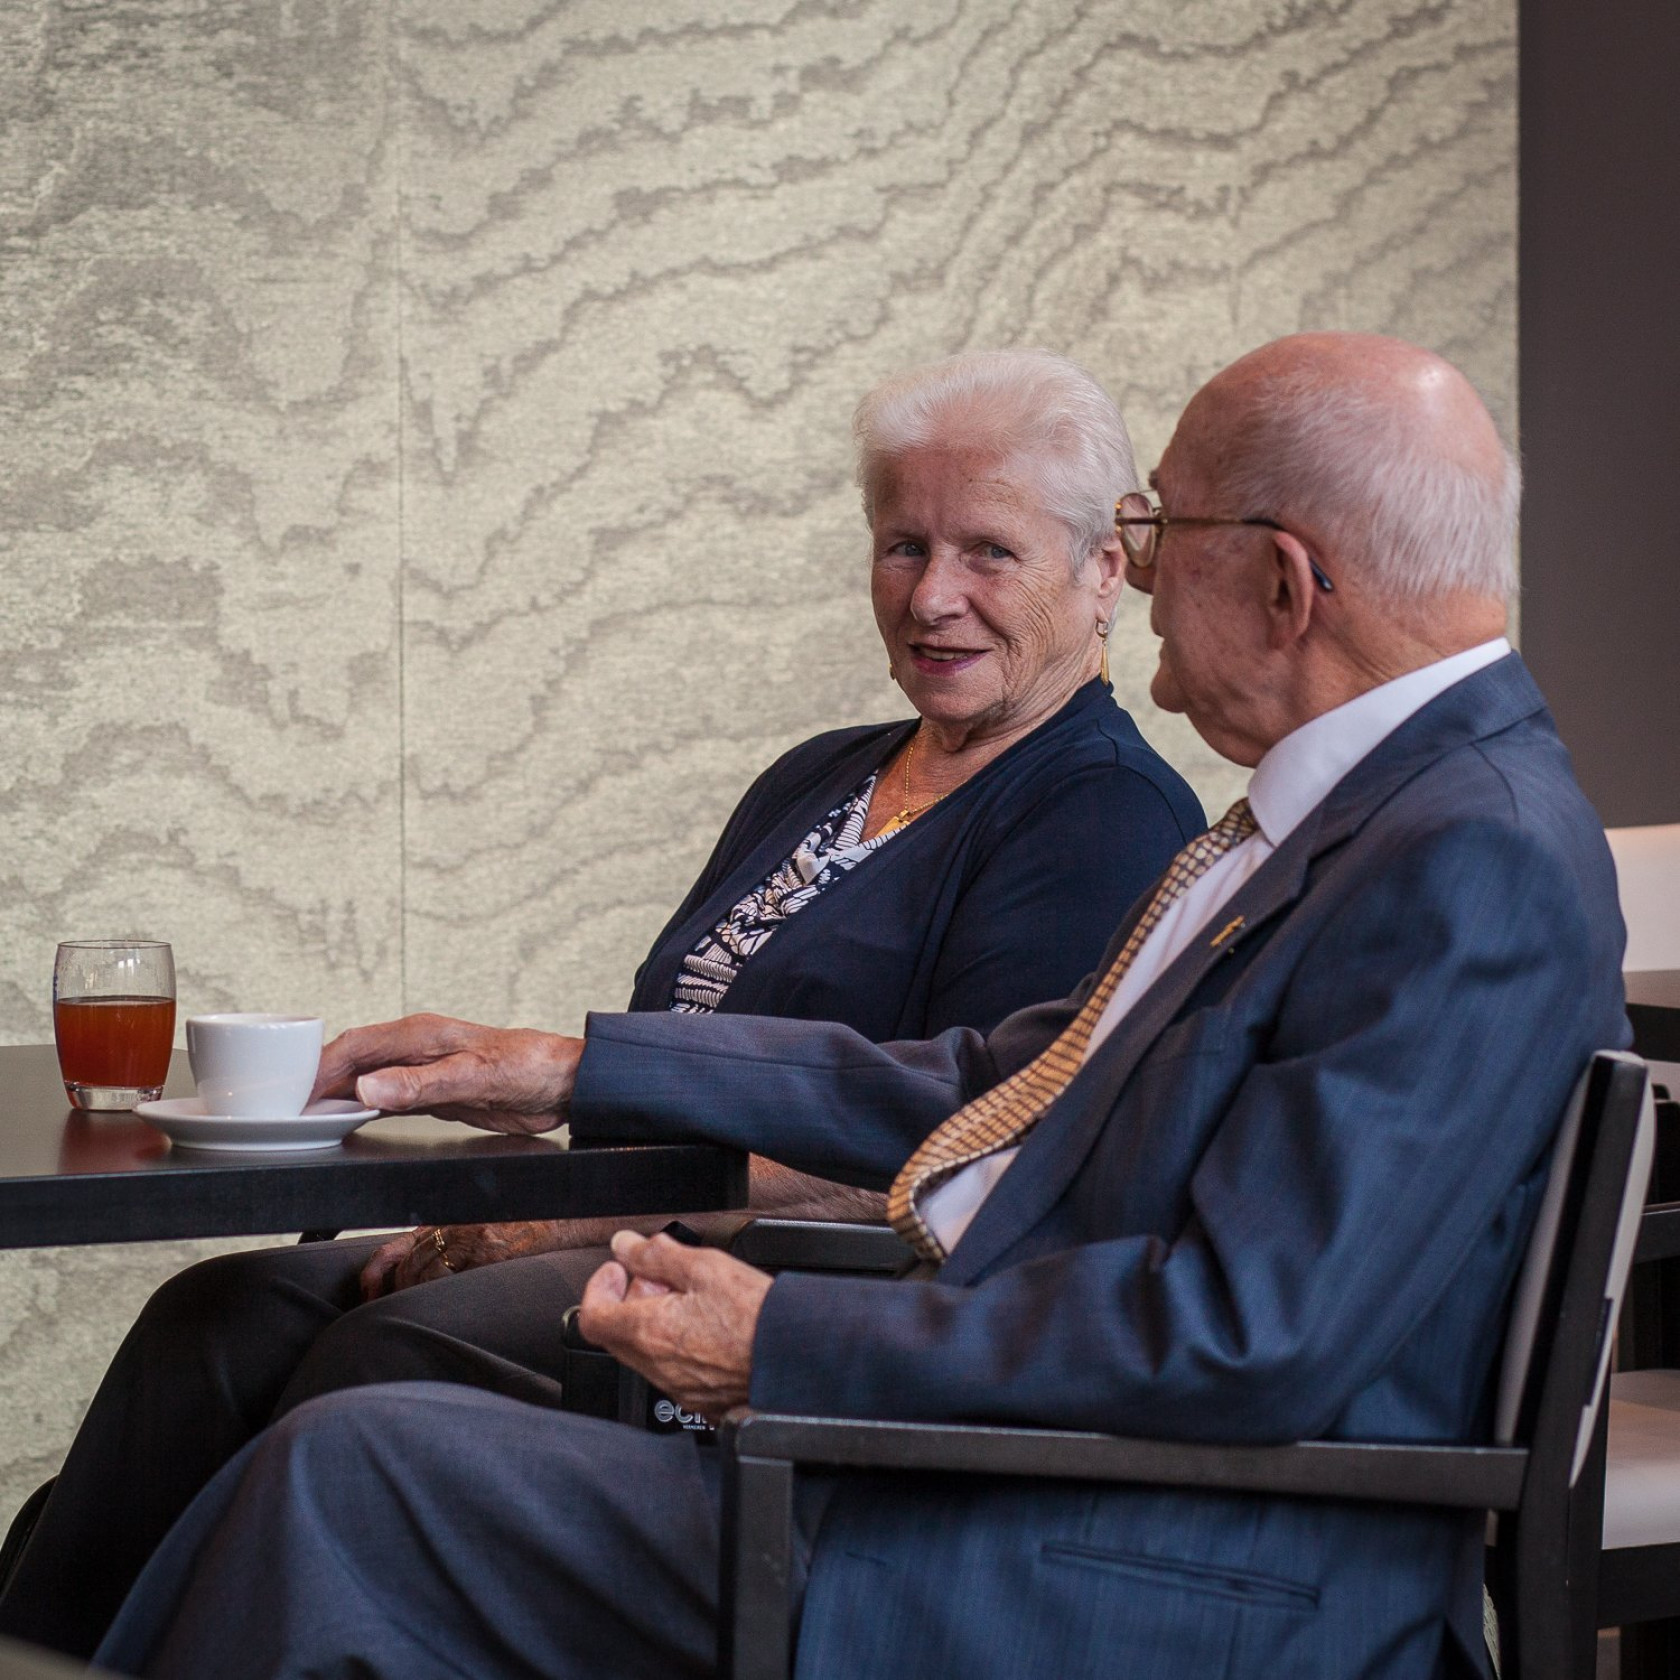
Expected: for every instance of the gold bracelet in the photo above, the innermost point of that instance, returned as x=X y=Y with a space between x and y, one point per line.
x=441 y=1244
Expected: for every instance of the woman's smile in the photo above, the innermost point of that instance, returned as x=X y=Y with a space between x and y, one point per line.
x=935 y=661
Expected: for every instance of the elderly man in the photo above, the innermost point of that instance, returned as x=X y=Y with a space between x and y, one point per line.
x=1266 y=1174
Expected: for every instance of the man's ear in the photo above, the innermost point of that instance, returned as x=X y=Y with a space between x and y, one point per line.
x=1291 y=595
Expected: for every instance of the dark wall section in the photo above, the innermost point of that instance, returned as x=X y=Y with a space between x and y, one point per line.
x=1599 y=362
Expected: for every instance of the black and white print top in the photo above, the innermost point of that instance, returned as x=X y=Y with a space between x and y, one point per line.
x=832 y=849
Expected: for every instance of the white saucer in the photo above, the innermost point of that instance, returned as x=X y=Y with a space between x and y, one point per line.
x=320 y=1126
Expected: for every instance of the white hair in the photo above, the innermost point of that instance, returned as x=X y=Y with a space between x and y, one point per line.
x=1417 y=519
x=1020 y=403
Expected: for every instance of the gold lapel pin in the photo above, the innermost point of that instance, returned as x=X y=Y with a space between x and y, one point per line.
x=1225 y=933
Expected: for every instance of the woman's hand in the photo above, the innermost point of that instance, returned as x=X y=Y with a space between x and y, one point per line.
x=500 y=1079
x=419 y=1256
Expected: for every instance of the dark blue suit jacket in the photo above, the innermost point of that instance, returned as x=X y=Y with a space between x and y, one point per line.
x=1000 y=895
x=1286 y=1198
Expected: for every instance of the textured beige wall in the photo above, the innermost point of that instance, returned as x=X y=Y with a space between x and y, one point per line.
x=424 y=494
x=651 y=256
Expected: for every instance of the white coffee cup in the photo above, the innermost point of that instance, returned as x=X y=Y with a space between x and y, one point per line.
x=254 y=1067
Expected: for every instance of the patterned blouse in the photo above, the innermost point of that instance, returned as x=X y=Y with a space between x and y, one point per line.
x=831 y=850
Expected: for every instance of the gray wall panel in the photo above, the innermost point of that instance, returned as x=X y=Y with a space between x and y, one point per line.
x=1601 y=393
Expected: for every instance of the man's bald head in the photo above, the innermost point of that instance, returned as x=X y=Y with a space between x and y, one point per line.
x=1379 y=454
x=1392 y=509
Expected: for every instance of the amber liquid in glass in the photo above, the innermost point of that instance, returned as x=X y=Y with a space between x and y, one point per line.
x=114 y=1041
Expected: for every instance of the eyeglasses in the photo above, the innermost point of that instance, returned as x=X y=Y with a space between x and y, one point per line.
x=1142 y=525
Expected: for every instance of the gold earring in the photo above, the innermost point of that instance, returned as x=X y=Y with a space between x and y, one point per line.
x=1102 y=636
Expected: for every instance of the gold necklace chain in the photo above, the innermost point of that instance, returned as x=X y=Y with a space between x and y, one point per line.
x=910 y=810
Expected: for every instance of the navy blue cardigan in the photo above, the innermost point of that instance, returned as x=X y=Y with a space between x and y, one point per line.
x=1001 y=895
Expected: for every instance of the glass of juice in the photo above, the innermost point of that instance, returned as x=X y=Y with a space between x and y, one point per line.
x=114 y=1019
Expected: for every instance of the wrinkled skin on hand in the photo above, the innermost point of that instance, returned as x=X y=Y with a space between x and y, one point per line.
x=414 y=1258
x=683 y=1317
x=500 y=1079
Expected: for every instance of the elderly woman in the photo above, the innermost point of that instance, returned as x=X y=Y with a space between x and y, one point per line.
x=901 y=878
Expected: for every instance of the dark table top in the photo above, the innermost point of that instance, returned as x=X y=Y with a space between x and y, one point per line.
x=1653 y=1005
x=70 y=1177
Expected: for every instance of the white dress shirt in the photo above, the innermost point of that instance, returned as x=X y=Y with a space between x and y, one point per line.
x=1292 y=779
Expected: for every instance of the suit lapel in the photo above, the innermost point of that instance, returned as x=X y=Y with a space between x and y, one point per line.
x=1485 y=703
x=1058 y=1145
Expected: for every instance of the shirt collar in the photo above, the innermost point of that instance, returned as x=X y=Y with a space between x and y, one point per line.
x=1301 y=769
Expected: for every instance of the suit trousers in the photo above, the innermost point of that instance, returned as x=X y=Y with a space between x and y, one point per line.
x=223 y=1349
x=422 y=1531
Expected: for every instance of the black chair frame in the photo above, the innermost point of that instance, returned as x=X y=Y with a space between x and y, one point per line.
x=1638 y=1587
x=1529 y=1483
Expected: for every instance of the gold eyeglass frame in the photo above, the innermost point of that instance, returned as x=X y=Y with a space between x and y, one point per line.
x=1141 y=552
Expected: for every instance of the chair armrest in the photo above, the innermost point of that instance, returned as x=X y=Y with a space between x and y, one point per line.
x=762 y=1449
x=1474 y=1478
x=818 y=1245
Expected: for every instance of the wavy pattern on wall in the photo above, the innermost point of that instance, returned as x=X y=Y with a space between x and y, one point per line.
x=651 y=257
x=198 y=552
x=424 y=484
x=198 y=512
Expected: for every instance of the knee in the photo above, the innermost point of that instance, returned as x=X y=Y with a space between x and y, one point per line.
x=322 y=1449
x=376 y=1343
x=325 y=1425
x=339 y=1440
x=207 y=1300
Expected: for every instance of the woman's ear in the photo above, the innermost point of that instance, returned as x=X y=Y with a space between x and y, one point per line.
x=1109 y=559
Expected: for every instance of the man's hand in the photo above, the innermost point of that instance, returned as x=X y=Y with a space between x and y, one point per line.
x=501 y=1079
x=683 y=1317
x=418 y=1257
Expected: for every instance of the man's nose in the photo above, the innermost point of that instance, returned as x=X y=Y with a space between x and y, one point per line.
x=941 y=591
x=1140 y=577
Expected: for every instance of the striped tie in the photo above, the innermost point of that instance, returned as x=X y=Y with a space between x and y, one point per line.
x=1002 y=1116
